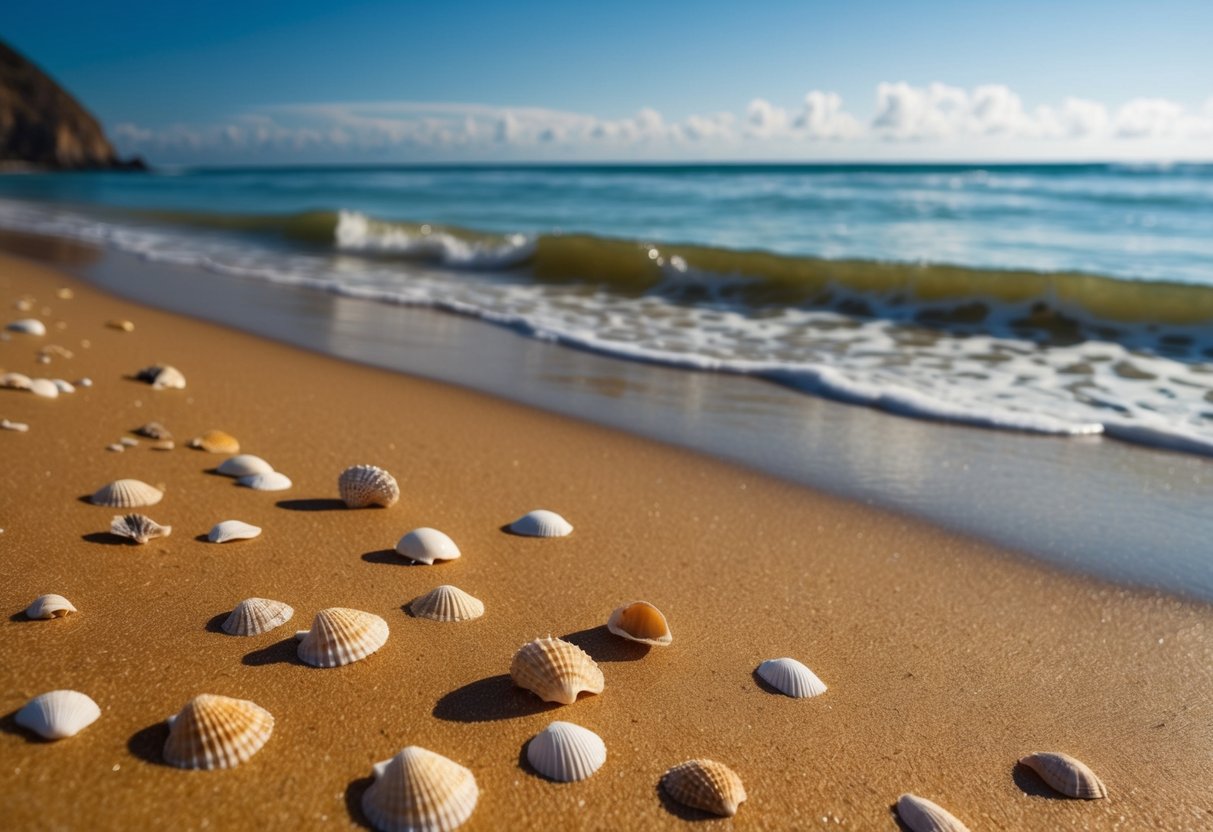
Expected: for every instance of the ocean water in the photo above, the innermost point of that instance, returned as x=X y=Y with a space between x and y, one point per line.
x=1070 y=300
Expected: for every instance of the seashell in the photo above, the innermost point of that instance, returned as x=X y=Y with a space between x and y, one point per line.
x=921 y=815
x=125 y=326
x=138 y=527
x=566 y=752
x=44 y=359
x=44 y=387
x=64 y=293
x=555 y=670
x=162 y=377
x=162 y=445
x=254 y=616
x=340 y=636
x=153 y=430
x=116 y=447
x=15 y=381
x=244 y=465
x=50 y=606
x=216 y=442
x=1067 y=775
x=127 y=494
x=426 y=546
x=420 y=791
x=23 y=304
x=232 y=530
x=85 y=382
x=367 y=485
x=216 y=732
x=128 y=442
x=63 y=386
x=20 y=427
x=792 y=678
x=58 y=714
x=640 y=621
x=705 y=784
x=447 y=603
x=269 y=481
x=27 y=326
x=541 y=523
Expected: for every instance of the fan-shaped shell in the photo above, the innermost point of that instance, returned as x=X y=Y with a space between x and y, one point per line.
x=1067 y=775
x=427 y=545
x=921 y=815
x=216 y=732
x=216 y=442
x=705 y=784
x=555 y=670
x=541 y=523
x=792 y=678
x=58 y=714
x=254 y=616
x=269 y=481
x=340 y=636
x=15 y=381
x=162 y=377
x=153 y=430
x=49 y=606
x=244 y=465
x=640 y=621
x=367 y=485
x=420 y=791
x=566 y=752
x=138 y=527
x=127 y=494
x=232 y=530
x=44 y=387
x=447 y=603
x=27 y=326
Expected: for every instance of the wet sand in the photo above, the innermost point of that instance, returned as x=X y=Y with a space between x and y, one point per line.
x=947 y=659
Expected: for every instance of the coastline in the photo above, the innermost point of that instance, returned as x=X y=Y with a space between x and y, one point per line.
x=947 y=658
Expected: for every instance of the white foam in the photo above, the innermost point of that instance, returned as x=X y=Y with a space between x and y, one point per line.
x=358 y=233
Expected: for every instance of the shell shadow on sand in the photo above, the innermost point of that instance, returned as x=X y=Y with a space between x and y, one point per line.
x=489 y=700
x=388 y=557
x=1029 y=782
x=313 y=504
x=763 y=684
x=680 y=811
x=604 y=646
x=8 y=725
x=215 y=624
x=285 y=651
x=108 y=539
x=148 y=743
x=353 y=800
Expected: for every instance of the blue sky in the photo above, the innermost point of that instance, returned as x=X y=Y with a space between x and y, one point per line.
x=308 y=81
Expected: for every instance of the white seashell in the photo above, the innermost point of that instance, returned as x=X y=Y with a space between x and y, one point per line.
x=23 y=304
x=420 y=791
x=269 y=481
x=115 y=447
x=20 y=427
x=63 y=386
x=15 y=381
x=27 y=326
x=705 y=784
x=244 y=465
x=921 y=815
x=340 y=636
x=426 y=545
x=46 y=607
x=217 y=732
x=566 y=752
x=447 y=603
x=254 y=616
x=85 y=382
x=555 y=670
x=162 y=445
x=541 y=523
x=367 y=485
x=44 y=387
x=232 y=530
x=1067 y=775
x=640 y=621
x=58 y=714
x=790 y=677
x=128 y=441
x=125 y=326
x=127 y=494
x=138 y=527
x=162 y=377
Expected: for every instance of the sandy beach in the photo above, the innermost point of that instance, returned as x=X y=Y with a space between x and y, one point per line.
x=946 y=659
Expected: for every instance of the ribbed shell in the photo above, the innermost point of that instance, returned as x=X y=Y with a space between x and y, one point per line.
x=138 y=527
x=153 y=430
x=44 y=387
x=15 y=381
x=49 y=606
x=427 y=545
x=1067 y=775
x=566 y=752
x=555 y=670
x=217 y=732
x=232 y=530
x=367 y=485
x=447 y=603
x=921 y=815
x=420 y=791
x=269 y=481
x=640 y=621
x=162 y=377
x=58 y=714
x=541 y=523
x=27 y=326
x=340 y=636
x=792 y=678
x=216 y=442
x=254 y=616
x=127 y=494
x=244 y=465
x=705 y=784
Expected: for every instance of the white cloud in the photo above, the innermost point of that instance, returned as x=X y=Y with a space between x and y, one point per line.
x=824 y=118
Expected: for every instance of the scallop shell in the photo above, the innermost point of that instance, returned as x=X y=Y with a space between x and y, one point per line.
x=244 y=465
x=162 y=377
x=447 y=603
x=269 y=481
x=340 y=636
x=216 y=732
x=49 y=606
x=1067 y=775
x=418 y=790
x=153 y=430
x=921 y=815
x=555 y=670
x=45 y=388
x=566 y=752
x=792 y=678
x=216 y=442
x=640 y=621
x=27 y=326
x=138 y=527
x=58 y=714
x=427 y=545
x=127 y=494
x=20 y=427
x=254 y=616
x=705 y=784
x=541 y=523
x=367 y=485
x=232 y=530
x=15 y=381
